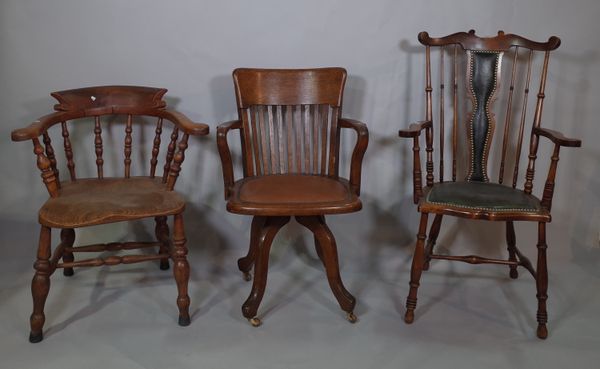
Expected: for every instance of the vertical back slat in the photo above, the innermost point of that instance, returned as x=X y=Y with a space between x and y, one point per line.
x=281 y=139
x=298 y=118
x=309 y=111
x=246 y=142
x=254 y=145
x=508 y=119
x=68 y=151
x=128 y=141
x=156 y=147
x=522 y=122
x=333 y=141
x=314 y=142
x=170 y=153
x=429 y=117
x=454 y=112
x=537 y=119
x=263 y=139
x=98 y=146
x=442 y=85
x=290 y=137
x=272 y=138
x=322 y=120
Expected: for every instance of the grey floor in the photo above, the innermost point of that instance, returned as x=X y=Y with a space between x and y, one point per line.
x=467 y=317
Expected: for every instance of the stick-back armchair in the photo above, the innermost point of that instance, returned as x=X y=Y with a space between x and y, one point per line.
x=496 y=75
x=289 y=124
x=80 y=202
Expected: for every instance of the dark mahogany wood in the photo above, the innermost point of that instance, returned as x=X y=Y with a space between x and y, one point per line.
x=289 y=124
x=504 y=53
x=81 y=202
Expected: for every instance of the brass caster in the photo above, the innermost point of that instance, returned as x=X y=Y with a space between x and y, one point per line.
x=409 y=317
x=542 y=331
x=255 y=322
x=351 y=317
x=247 y=276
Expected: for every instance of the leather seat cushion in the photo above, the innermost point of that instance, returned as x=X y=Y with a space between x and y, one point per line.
x=482 y=196
x=98 y=201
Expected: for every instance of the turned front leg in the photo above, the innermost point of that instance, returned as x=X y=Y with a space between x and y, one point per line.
x=416 y=270
x=181 y=270
x=40 y=286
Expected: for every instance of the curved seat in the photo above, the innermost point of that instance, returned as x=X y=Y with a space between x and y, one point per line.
x=482 y=200
x=292 y=194
x=92 y=201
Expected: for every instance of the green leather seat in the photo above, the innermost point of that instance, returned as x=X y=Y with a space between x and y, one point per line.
x=482 y=196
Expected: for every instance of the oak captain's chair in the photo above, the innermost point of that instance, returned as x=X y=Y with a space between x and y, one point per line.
x=80 y=202
x=289 y=124
x=473 y=195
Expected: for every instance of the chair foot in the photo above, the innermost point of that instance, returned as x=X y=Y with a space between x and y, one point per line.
x=542 y=331
x=36 y=337
x=68 y=272
x=256 y=322
x=247 y=276
x=426 y=266
x=351 y=317
x=184 y=321
x=514 y=274
x=409 y=316
x=164 y=265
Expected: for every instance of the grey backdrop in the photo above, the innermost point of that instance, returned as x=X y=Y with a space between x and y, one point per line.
x=191 y=47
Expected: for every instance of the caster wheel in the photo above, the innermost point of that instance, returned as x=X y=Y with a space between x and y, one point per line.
x=68 y=272
x=351 y=317
x=514 y=274
x=247 y=276
x=256 y=322
x=35 y=338
x=184 y=321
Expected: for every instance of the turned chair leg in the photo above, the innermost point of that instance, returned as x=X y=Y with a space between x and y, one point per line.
x=511 y=242
x=181 y=270
x=40 y=285
x=542 y=282
x=317 y=244
x=416 y=270
x=434 y=231
x=265 y=233
x=67 y=237
x=161 y=231
x=245 y=264
x=325 y=241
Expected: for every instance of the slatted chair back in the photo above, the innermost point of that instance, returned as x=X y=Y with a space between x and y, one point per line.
x=290 y=120
x=129 y=103
x=494 y=70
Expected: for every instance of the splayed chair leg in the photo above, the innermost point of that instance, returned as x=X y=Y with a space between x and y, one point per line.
x=512 y=244
x=181 y=270
x=434 y=232
x=40 y=286
x=67 y=237
x=161 y=231
x=326 y=243
x=245 y=264
x=416 y=270
x=264 y=238
x=542 y=282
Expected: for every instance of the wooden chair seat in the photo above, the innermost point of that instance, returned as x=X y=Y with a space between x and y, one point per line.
x=309 y=194
x=92 y=201
x=482 y=200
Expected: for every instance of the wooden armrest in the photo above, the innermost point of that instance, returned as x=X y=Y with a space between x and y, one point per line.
x=183 y=122
x=414 y=129
x=557 y=137
x=37 y=128
x=225 y=153
x=362 y=141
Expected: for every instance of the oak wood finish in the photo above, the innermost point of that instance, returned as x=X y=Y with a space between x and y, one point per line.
x=81 y=202
x=289 y=124
x=518 y=53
